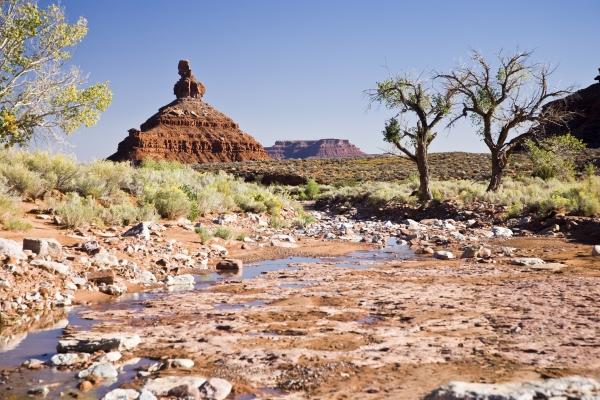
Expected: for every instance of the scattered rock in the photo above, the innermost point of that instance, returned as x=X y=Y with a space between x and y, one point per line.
x=66 y=359
x=162 y=386
x=230 y=264
x=113 y=290
x=86 y=386
x=122 y=394
x=443 y=255
x=500 y=231
x=527 y=261
x=12 y=249
x=596 y=250
x=215 y=389
x=220 y=250
x=43 y=247
x=140 y=230
x=90 y=342
x=184 y=363
x=105 y=276
x=286 y=245
x=33 y=363
x=101 y=370
x=39 y=391
x=51 y=266
x=105 y=259
x=90 y=247
x=573 y=387
x=180 y=280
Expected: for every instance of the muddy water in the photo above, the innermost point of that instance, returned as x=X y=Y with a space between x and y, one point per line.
x=41 y=344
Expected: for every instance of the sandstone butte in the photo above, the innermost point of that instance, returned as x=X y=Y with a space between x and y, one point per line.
x=584 y=123
x=189 y=130
x=323 y=148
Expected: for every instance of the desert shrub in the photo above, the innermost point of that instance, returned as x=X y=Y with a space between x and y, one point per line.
x=240 y=236
x=104 y=179
x=312 y=189
x=204 y=234
x=554 y=157
x=76 y=211
x=223 y=233
x=59 y=170
x=15 y=224
x=24 y=182
x=171 y=203
x=303 y=220
x=161 y=165
x=277 y=222
x=123 y=213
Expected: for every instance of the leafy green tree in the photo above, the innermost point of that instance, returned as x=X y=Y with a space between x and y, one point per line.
x=554 y=156
x=420 y=108
x=506 y=103
x=39 y=96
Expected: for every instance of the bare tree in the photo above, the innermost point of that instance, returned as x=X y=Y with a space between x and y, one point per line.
x=506 y=104
x=412 y=136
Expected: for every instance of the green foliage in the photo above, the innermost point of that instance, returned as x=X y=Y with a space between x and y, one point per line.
x=204 y=234
x=312 y=189
x=35 y=44
x=15 y=224
x=171 y=203
x=519 y=196
x=24 y=181
x=223 y=233
x=76 y=211
x=554 y=157
x=303 y=220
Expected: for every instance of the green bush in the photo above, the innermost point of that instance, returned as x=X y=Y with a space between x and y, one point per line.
x=172 y=203
x=223 y=233
x=204 y=234
x=554 y=157
x=15 y=224
x=304 y=220
x=24 y=182
x=76 y=211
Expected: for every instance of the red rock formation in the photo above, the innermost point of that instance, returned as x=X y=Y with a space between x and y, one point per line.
x=585 y=121
x=189 y=130
x=323 y=148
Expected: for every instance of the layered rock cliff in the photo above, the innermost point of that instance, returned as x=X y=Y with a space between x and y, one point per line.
x=323 y=148
x=189 y=130
x=584 y=121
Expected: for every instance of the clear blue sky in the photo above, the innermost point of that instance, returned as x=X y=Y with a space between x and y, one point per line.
x=298 y=69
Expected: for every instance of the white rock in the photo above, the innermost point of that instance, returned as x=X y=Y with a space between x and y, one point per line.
x=101 y=370
x=161 y=386
x=69 y=359
x=51 y=266
x=105 y=259
x=180 y=280
x=122 y=394
x=574 y=387
x=286 y=245
x=443 y=255
x=146 y=395
x=527 y=261
x=596 y=250
x=43 y=246
x=90 y=342
x=184 y=363
x=215 y=389
x=500 y=231
x=111 y=356
x=140 y=230
x=12 y=249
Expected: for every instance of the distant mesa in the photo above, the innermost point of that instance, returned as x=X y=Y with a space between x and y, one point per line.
x=322 y=148
x=585 y=121
x=189 y=130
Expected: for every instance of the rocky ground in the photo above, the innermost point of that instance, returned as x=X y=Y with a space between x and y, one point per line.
x=475 y=303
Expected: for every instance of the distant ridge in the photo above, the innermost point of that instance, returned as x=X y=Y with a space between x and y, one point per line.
x=322 y=148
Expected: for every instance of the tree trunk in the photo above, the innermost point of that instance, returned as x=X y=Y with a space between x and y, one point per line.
x=423 y=167
x=499 y=159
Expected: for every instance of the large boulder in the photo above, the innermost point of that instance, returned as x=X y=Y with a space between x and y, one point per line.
x=90 y=342
x=12 y=249
x=43 y=246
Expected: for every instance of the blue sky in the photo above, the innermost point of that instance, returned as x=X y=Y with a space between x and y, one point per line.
x=298 y=69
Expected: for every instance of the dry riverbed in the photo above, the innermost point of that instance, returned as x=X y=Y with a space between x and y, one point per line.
x=359 y=326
